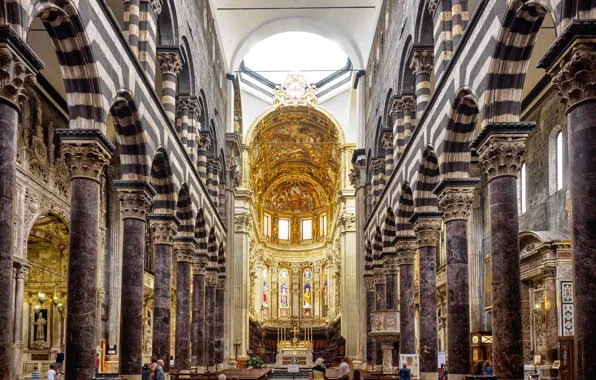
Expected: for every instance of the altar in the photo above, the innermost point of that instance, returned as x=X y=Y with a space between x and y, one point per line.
x=296 y=351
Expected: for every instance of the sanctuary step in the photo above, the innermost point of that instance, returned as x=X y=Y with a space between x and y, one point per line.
x=282 y=373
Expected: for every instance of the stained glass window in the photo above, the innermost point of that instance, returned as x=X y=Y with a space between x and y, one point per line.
x=265 y=287
x=284 y=293
x=560 y=161
x=307 y=295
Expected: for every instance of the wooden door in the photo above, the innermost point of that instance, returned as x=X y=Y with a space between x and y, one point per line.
x=566 y=358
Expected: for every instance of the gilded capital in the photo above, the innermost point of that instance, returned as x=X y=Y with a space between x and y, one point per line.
x=163 y=231
x=169 y=62
x=184 y=251
x=575 y=76
x=199 y=266
x=422 y=61
x=456 y=202
x=13 y=77
x=428 y=231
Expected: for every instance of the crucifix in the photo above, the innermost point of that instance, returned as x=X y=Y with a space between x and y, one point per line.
x=295 y=330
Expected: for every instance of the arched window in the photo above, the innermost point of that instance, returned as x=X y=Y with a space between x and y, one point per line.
x=307 y=293
x=265 y=292
x=284 y=294
x=524 y=184
x=559 y=145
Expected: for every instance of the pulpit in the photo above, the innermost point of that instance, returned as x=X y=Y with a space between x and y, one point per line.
x=385 y=330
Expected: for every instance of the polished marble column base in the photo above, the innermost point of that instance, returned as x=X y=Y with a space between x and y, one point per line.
x=430 y=376
x=457 y=377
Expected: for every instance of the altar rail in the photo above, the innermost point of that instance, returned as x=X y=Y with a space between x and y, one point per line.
x=241 y=374
x=42 y=367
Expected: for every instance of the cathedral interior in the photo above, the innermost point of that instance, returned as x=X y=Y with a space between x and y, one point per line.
x=244 y=187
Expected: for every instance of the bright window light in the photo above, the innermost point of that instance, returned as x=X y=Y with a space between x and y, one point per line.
x=559 y=161
x=284 y=229
x=523 y=188
x=266 y=225
x=277 y=56
x=306 y=229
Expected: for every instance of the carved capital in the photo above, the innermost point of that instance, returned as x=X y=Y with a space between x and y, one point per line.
x=13 y=77
x=216 y=165
x=406 y=251
x=422 y=61
x=157 y=6
x=391 y=265
x=85 y=160
x=347 y=222
x=575 y=76
x=456 y=202
x=242 y=222
x=378 y=164
x=369 y=283
x=221 y=283
x=408 y=103
x=428 y=231
x=184 y=103
x=432 y=7
x=169 y=62
x=135 y=199
x=550 y=272
x=184 y=251
x=163 y=231
x=211 y=278
x=355 y=177
x=20 y=272
x=199 y=266
x=387 y=140
x=378 y=276
x=235 y=175
x=203 y=141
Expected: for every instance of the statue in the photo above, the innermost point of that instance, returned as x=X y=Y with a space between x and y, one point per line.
x=40 y=334
x=295 y=230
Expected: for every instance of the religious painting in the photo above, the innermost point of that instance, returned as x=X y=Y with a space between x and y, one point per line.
x=307 y=295
x=325 y=287
x=294 y=196
x=41 y=324
x=284 y=298
x=265 y=287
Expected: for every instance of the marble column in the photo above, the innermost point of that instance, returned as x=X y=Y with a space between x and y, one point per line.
x=210 y=284
x=15 y=75
x=184 y=251
x=220 y=294
x=391 y=272
x=163 y=228
x=203 y=144
x=135 y=200
x=551 y=310
x=380 y=298
x=409 y=123
x=422 y=64
x=183 y=109
x=427 y=227
x=455 y=201
x=370 y=307
x=170 y=65
x=242 y=228
x=132 y=9
x=501 y=147
x=573 y=71
x=19 y=275
x=148 y=15
x=350 y=290
x=215 y=183
x=459 y=17
x=387 y=141
x=405 y=248
x=197 y=338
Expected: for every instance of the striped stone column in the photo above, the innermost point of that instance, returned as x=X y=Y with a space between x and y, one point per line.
x=422 y=64
x=441 y=13
x=132 y=10
x=375 y=182
x=459 y=19
x=210 y=178
x=397 y=116
x=184 y=251
x=149 y=13
x=215 y=182
x=222 y=200
x=170 y=65
x=387 y=141
x=380 y=173
x=193 y=110
x=408 y=106
x=182 y=121
x=203 y=141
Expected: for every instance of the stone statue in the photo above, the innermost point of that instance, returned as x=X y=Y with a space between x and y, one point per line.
x=40 y=334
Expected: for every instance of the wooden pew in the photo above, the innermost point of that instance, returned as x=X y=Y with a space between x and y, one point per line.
x=241 y=374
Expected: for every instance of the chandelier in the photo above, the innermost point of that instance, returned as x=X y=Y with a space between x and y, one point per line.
x=56 y=299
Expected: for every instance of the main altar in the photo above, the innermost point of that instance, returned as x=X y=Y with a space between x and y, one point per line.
x=295 y=351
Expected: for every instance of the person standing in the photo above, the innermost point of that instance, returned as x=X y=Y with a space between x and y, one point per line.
x=35 y=374
x=145 y=372
x=51 y=373
x=344 y=367
x=318 y=371
x=59 y=361
x=158 y=373
x=405 y=373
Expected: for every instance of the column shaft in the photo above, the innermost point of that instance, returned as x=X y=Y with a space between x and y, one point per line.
x=210 y=324
x=428 y=309
x=20 y=274
x=219 y=325
x=459 y=17
x=183 y=265
x=162 y=302
x=198 y=319
x=149 y=12
x=169 y=62
x=391 y=291
x=407 y=322
x=370 y=307
x=442 y=39
x=132 y=9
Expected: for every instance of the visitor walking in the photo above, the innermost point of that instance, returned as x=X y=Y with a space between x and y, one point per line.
x=443 y=373
x=59 y=362
x=51 y=373
x=488 y=370
x=145 y=372
x=405 y=373
x=344 y=367
x=158 y=373
x=35 y=374
x=318 y=371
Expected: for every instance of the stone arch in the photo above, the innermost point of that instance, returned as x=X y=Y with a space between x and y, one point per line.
x=377 y=247
x=186 y=76
x=427 y=178
x=510 y=60
x=212 y=249
x=133 y=143
x=164 y=202
x=87 y=105
x=185 y=214
x=205 y=117
x=221 y=258
x=405 y=210
x=406 y=75
x=201 y=232
x=387 y=110
x=455 y=152
x=389 y=232
x=368 y=259
x=379 y=152
x=167 y=24
x=425 y=25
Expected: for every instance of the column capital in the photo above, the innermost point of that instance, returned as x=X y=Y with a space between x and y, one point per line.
x=369 y=283
x=427 y=227
x=221 y=283
x=501 y=147
x=184 y=103
x=456 y=197
x=423 y=60
x=184 y=251
x=432 y=7
x=135 y=198
x=20 y=272
x=355 y=177
x=199 y=265
x=169 y=62
x=216 y=166
x=87 y=152
x=235 y=176
x=391 y=264
x=157 y=6
x=211 y=278
x=378 y=164
x=575 y=76
x=406 y=247
x=163 y=228
x=387 y=140
x=550 y=272
x=378 y=276
x=203 y=141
